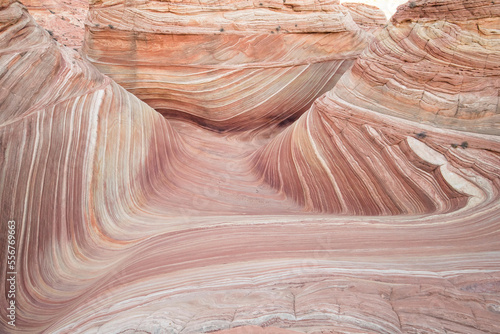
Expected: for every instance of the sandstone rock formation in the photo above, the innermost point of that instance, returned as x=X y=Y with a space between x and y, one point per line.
x=226 y=65
x=444 y=72
x=457 y=11
x=366 y=16
x=128 y=222
x=64 y=19
x=387 y=7
x=428 y=75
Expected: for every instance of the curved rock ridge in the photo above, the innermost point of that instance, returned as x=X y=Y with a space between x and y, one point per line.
x=225 y=65
x=368 y=17
x=52 y=68
x=438 y=10
x=349 y=155
x=346 y=160
x=443 y=73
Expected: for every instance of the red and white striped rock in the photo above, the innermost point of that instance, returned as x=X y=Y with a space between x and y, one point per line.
x=357 y=150
x=368 y=17
x=444 y=73
x=464 y=11
x=127 y=222
x=226 y=65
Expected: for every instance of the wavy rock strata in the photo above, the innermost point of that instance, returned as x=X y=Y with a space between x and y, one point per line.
x=443 y=72
x=226 y=65
x=368 y=17
x=373 y=145
x=127 y=222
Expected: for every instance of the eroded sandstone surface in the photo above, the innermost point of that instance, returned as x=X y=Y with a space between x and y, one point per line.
x=376 y=211
x=226 y=65
x=366 y=16
x=63 y=19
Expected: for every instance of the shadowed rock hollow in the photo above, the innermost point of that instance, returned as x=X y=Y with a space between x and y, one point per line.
x=225 y=65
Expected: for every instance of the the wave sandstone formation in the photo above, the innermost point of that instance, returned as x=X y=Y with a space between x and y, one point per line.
x=63 y=19
x=374 y=144
x=368 y=17
x=226 y=65
x=445 y=72
x=363 y=216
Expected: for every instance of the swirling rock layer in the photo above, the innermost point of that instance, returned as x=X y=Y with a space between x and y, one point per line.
x=129 y=223
x=228 y=66
x=440 y=72
x=428 y=75
x=366 y=16
x=456 y=11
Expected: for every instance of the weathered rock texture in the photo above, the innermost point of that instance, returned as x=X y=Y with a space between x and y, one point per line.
x=226 y=65
x=64 y=19
x=457 y=11
x=366 y=16
x=129 y=223
x=349 y=154
x=388 y=7
x=443 y=72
